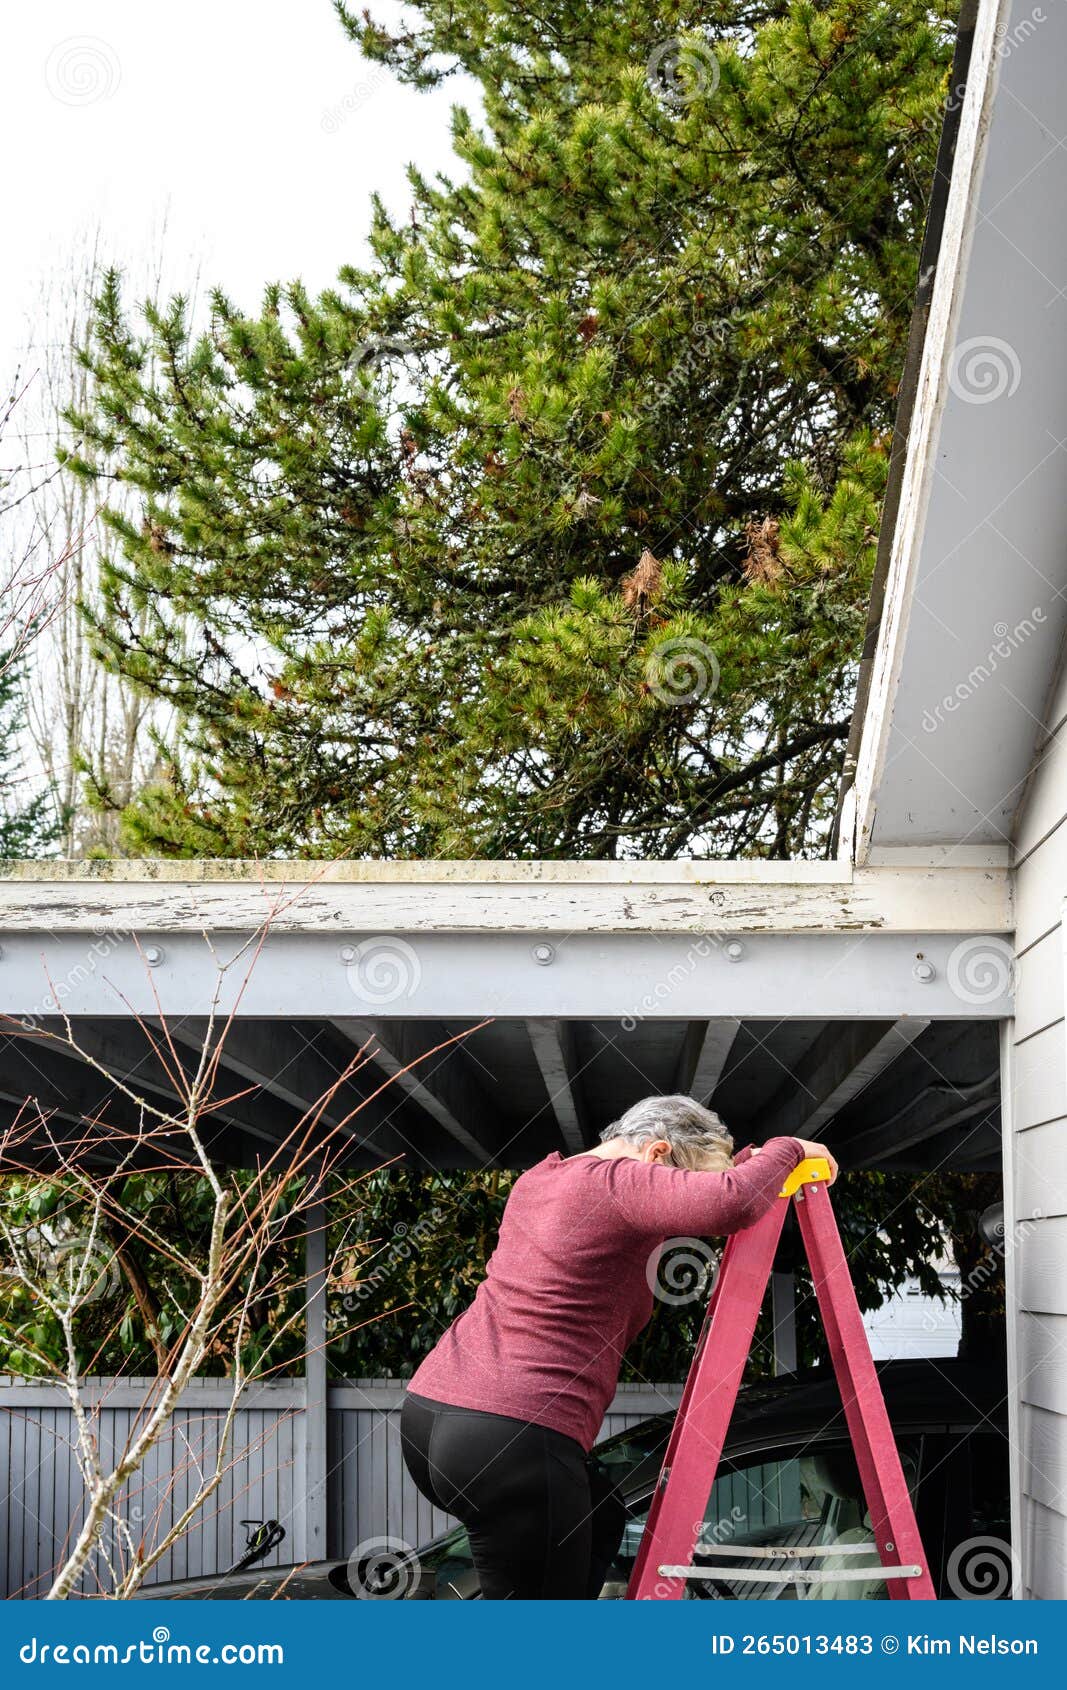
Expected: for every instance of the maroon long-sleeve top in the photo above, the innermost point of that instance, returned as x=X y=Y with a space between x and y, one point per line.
x=569 y=1285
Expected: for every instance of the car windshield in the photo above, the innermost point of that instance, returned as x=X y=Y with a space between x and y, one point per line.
x=789 y=1499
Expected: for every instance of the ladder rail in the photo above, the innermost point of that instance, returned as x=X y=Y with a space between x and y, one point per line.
x=664 y=1562
x=885 y=1488
x=696 y=1443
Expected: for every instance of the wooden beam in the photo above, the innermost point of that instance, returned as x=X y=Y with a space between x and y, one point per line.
x=553 y=1046
x=122 y=1048
x=954 y=282
x=703 y=1058
x=292 y=1061
x=442 y=1085
x=923 y=1118
x=64 y=1086
x=841 y=1063
x=85 y=1120
x=919 y=894
x=241 y=1129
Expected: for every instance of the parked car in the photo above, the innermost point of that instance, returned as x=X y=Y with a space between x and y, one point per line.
x=788 y=1476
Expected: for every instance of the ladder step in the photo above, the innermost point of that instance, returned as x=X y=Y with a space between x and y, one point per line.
x=769 y=1552
x=787 y=1575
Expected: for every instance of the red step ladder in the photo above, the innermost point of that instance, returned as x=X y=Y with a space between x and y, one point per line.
x=665 y=1562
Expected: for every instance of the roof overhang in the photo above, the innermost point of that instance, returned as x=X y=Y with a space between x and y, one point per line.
x=976 y=589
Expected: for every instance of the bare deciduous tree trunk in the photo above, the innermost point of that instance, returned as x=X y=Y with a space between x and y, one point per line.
x=78 y=712
x=239 y=1264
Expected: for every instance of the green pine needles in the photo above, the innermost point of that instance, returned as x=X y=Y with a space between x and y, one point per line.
x=550 y=532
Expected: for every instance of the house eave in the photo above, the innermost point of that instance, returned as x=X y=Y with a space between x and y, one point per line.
x=915 y=892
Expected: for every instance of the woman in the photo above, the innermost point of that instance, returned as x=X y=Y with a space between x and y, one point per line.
x=500 y=1417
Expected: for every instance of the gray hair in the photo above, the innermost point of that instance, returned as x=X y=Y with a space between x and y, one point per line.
x=697 y=1137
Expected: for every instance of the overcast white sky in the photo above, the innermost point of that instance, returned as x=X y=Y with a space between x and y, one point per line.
x=254 y=125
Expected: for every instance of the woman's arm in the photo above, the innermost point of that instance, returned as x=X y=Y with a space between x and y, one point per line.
x=658 y=1201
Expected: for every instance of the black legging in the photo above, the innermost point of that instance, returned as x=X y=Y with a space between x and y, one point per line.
x=542 y=1516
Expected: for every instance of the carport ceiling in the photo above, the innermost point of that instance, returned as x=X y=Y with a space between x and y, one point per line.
x=907 y=1094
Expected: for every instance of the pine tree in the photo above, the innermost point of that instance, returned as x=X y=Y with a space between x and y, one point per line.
x=29 y=820
x=550 y=531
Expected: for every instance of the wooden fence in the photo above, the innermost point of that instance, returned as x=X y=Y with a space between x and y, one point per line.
x=367 y=1493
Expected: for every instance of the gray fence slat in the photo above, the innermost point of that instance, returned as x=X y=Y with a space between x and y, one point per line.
x=24 y=1493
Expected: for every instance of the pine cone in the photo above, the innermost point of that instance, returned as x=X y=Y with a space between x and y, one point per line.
x=763 y=562
x=643 y=586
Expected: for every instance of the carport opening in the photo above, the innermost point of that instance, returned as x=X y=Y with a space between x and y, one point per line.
x=451 y=1111
x=442 y=1116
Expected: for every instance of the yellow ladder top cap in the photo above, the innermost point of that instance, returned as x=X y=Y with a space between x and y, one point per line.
x=814 y=1170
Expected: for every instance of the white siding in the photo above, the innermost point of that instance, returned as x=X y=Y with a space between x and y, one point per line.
x=1036 y=1166
x=909 y=1323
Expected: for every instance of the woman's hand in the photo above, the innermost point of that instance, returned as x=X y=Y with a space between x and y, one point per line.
x=813 y=1149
